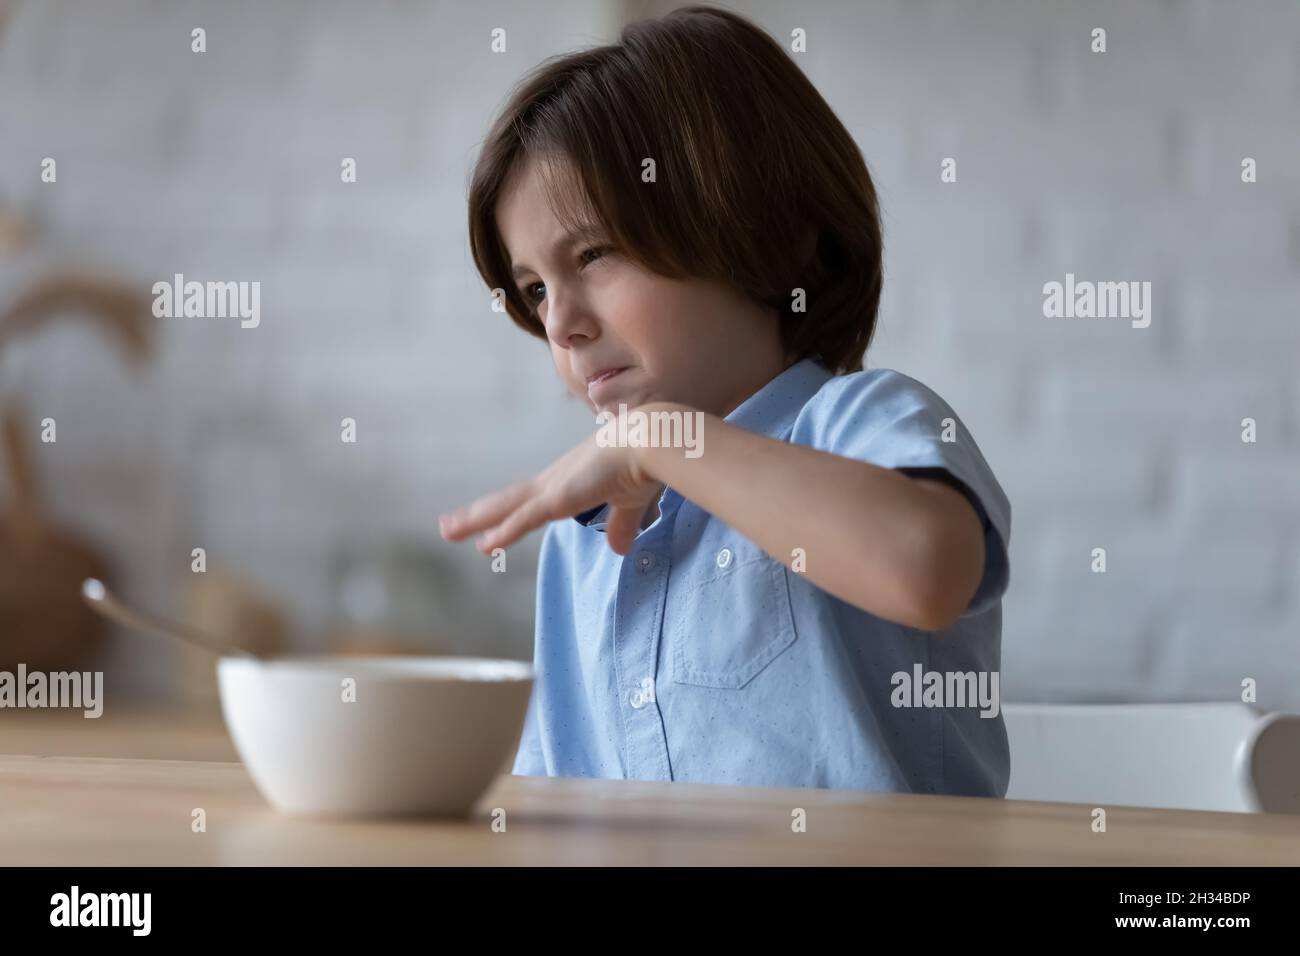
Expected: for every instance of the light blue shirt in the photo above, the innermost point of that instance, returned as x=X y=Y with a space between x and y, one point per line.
x=699 y=657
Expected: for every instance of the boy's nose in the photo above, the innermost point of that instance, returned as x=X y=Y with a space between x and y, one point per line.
x=568 y=324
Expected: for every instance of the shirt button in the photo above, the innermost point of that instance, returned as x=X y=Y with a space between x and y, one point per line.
x=724 y=558
x=638 y=697
x=645 y=561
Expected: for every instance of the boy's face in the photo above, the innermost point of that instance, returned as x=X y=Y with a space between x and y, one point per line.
x=695 y=342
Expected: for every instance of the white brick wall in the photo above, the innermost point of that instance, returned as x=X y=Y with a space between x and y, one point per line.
x=1116 y=166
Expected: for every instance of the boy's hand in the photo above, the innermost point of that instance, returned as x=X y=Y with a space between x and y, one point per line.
x=585 y=477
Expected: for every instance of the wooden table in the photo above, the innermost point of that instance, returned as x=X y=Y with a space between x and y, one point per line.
x=160 y=733
x=93 y=811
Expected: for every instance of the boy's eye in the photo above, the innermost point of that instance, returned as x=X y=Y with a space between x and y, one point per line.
x=597 y=252
x=587 y=257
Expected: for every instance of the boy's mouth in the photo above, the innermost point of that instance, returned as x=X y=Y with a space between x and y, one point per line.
x=604 y=375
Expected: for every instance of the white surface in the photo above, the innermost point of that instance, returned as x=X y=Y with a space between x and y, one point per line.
x=1199 y=756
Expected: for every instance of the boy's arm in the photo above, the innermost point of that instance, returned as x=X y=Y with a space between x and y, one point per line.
x=906 y=549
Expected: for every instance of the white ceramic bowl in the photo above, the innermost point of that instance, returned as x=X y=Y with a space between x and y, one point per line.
x=423 y=736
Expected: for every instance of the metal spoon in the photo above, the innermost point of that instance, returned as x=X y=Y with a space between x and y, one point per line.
x=106 y=604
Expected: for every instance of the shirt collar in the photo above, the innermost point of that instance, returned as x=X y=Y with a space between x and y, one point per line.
x=769 y=411
x=773 y=408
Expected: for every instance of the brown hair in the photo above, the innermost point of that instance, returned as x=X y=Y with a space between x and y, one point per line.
x=759 y=185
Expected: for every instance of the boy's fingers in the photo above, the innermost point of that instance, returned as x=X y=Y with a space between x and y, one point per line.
x=527 y=517
x=621 y=528
x=483 y=513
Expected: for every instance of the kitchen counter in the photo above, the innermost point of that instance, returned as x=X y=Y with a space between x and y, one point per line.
x=107 y=811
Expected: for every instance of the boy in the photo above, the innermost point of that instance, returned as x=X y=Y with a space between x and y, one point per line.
x=686 y=223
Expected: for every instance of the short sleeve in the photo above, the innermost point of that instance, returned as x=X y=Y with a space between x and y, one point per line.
x=889 y=419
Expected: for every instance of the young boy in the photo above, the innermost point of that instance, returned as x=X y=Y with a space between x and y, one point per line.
x=811 y=596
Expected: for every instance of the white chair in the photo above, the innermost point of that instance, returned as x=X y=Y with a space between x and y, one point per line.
x=1210 y=756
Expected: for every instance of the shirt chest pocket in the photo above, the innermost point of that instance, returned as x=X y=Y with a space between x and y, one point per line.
x=732 y=619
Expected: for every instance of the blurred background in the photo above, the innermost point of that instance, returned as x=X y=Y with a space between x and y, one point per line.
x=179 y=434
